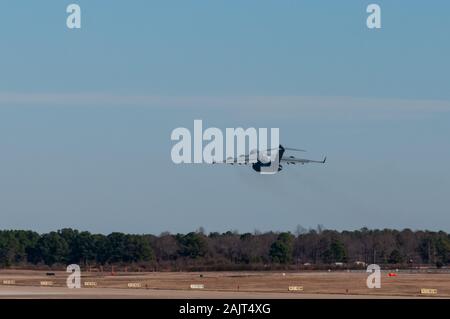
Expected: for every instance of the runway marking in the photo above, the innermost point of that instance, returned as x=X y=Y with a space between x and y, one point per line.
x=46 y=283
x=428 y=291
x=90 y=284
x=197 y=286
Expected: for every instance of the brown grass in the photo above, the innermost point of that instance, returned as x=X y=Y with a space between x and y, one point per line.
x=340 y=283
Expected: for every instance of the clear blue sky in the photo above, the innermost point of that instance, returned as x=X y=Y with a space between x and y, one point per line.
x=86 y=115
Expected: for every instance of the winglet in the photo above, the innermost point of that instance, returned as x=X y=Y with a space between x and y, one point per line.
x=324 y=160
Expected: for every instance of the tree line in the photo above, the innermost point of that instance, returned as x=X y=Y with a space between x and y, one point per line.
x=313 y=248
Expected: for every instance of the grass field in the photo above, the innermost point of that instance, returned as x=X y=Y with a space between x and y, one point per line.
x=342 y=284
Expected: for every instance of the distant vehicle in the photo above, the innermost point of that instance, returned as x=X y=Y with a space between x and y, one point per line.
x=261 y=159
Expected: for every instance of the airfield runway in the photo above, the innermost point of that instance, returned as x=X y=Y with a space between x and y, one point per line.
x=225 y=285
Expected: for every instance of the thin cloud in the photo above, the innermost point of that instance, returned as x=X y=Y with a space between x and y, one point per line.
x=261 y=103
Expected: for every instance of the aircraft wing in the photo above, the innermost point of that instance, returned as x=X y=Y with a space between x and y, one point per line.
x=242 y=160
x=294 y=160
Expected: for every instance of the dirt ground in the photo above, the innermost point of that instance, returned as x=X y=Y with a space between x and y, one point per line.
x=342 y=284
